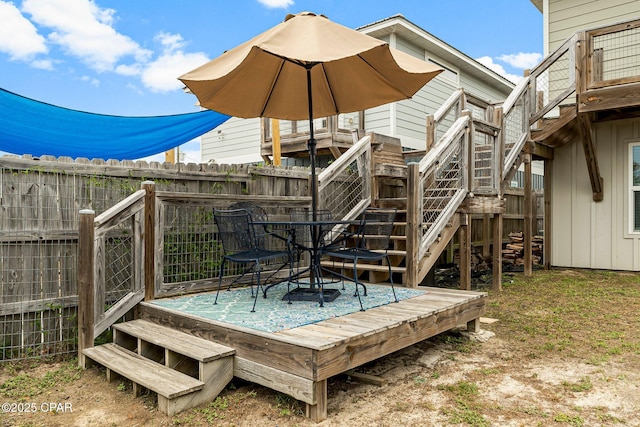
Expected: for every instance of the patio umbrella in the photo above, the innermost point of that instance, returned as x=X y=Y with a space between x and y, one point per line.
x=307 y=67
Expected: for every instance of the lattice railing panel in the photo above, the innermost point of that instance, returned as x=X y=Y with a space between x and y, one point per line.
x=620 y=54
x=441 y=184
x=345 y=184
x=554 y=81
x=484 y=156
x=513 y=126
x=119 y=265
x=191 y=249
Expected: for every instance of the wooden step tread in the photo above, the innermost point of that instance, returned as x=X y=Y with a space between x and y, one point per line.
x=179 y=342
x=153 y=376
x=362 y=266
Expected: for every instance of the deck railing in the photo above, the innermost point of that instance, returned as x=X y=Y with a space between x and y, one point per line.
x=344 y=187
x=110 y=265
x=443 y=182
x=153 y=244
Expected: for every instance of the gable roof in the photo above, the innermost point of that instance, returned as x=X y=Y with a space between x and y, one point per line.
x=411 y=32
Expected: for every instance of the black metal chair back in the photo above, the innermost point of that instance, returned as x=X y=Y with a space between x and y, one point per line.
x=241 y=244
x=236 y=231
x=258 y=214
x=375 y=229
x=369 y=244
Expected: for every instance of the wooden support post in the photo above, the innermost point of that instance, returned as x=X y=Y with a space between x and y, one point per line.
x=473 y=325
x=486 y=235
x=465 y=251
x=414 y=201
x=431 y=132
x=86 y=285
x=528 y=215
x=318 y=412
x=496 y=284
x=548 y=211
x=584 y=126
x=149 y=240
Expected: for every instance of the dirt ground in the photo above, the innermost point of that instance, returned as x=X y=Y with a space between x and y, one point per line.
x=516 y=392
x=491 y=378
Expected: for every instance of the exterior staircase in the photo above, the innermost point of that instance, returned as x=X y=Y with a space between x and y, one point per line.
x=183 y=370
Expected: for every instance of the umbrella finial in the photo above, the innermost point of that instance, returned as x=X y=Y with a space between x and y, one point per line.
x=293 y=15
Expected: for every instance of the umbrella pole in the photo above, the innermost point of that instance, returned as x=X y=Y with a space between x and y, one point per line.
x=311 y=144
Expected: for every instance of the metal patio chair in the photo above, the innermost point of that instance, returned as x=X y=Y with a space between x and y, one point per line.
x=242 y=244
x=368 y=244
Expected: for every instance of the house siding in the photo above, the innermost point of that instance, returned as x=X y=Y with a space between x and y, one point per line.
x=567 y=17
x=590 y=234
x=245 y=146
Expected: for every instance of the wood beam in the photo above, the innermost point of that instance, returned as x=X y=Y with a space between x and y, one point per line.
x=528 y=215
x=86 y=284
x=465 y=251
x=413 y=225
x=149 y=240
x=584 y=126
x=496 y=284
x=539 y=151
x=548 y=181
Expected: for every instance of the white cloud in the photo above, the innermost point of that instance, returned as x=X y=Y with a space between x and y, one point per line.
x=161 y=75
x=18 y=36
x=43 y=64
x=85 y=31
x=487 y=61
x=92 y=81
x=275 y=4
x=524 y=61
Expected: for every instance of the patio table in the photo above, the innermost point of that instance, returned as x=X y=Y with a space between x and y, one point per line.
x=316 y=237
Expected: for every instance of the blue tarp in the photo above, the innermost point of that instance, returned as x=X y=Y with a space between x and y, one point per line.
x=36 y=128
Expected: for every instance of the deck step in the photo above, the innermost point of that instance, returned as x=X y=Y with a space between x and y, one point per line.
x=142 y=371
x=188 y=345
x=182 y=369
x=362 y=266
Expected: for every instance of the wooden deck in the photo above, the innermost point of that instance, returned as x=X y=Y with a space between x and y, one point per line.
x=298 y=361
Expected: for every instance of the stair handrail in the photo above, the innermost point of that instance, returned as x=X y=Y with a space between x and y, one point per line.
x=536 y=99
x=456 y=96
x=94 y=317
x=453 y=144
x=354 y=163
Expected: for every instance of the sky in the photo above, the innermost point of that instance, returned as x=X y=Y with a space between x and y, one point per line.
x=123 y=57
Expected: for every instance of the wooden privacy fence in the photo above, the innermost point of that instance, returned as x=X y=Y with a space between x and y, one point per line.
x=40 y=204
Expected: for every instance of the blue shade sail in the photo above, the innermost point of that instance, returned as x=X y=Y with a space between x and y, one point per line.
x=31 y=127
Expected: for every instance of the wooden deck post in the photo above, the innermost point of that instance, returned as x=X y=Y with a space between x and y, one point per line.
x=528 y=215
x=149 y=240
x=496 y=284
x=465 y=251
x=414 y=200
x=86 y=285
x=486 y=235
x=548 y=212
x=431 y=132
x=318 y=412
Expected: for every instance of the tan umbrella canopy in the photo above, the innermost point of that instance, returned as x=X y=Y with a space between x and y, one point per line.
x=267 y=75
x=306 y=67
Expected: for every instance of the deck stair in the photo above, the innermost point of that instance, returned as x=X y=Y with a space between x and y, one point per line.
x=183 y=370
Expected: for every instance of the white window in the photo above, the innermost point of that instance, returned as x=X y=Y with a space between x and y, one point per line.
x=634 y=185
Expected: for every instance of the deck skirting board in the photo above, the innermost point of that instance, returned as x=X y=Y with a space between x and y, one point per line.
x=300 y=388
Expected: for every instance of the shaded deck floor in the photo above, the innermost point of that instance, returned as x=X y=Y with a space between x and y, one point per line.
x=298 y=360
